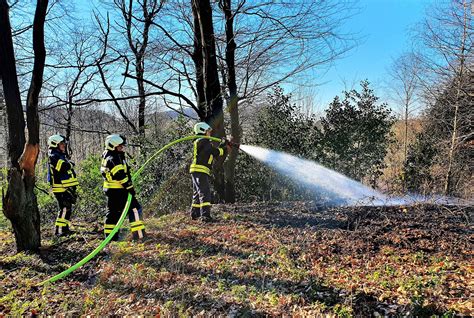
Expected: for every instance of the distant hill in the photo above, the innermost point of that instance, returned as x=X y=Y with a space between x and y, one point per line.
x=174 y=114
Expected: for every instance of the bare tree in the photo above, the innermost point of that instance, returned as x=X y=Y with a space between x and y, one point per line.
x=280 y=40
x=101 y=64
x=20 y=205
x=135 y=24
x=71 y=73
x=207 y=77
x=148 y=11
x=403 y=87
x=275 y=41
x=229 y=79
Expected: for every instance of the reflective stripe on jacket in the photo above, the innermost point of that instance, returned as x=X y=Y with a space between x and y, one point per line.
x=115 y=170
x=61 y=171
x=203 y=155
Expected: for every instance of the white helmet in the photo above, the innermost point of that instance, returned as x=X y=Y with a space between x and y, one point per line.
x=55 y=140
x=201 y=128
x=112 y=141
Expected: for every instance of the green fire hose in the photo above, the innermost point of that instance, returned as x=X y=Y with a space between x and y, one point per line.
x=124 y=212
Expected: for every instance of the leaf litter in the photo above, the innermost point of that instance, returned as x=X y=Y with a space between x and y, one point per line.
x=261 y=259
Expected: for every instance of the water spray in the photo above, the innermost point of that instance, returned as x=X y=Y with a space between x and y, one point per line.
x=341 y=189
x=317 y=177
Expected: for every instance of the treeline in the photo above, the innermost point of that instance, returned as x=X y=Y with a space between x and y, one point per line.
x=434 y=86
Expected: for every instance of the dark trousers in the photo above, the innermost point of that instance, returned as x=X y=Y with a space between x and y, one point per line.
x=116 y=200
x=65 y=202
x=201 y=204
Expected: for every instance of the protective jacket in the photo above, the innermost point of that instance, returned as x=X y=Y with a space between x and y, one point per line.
x=61 y=171
x=204 y=154
x=115 y=171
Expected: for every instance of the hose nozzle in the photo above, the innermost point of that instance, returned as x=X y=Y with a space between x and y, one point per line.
x=234 y=145
x=230 y=142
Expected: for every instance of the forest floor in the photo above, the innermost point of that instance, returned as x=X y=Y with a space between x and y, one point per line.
x=287 y=259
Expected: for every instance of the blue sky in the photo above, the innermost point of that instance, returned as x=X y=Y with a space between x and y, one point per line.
x=384 y=27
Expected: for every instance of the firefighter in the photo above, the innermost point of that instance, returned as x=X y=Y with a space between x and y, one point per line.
x=203 y=155
x=63 y=180
x=117 y=185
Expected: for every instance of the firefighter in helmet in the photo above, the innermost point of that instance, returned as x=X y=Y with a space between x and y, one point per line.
x=203 y=155
x=63 y=180
x=117 y=185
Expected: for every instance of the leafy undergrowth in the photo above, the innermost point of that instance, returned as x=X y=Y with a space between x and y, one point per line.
x=258 y=260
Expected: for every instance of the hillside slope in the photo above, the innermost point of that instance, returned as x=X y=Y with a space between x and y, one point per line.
x=258 y=260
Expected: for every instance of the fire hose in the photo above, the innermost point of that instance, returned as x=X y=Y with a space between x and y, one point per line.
x=109 y=237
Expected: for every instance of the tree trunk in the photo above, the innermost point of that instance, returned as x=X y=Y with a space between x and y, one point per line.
x=16 y=122
x=70 y=110
x=452 y=147
x=460 y=81
x=198 y=62
x=405 y=145
x=69 y=119
x=233 y=102
x=219 y=177
x=69 y=126
x=20 y=205
x=212 y=108
x=141 y=92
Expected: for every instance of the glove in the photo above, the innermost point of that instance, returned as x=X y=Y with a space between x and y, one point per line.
x=72 y=194
x=223 y=142
x=132 y=191
x=230 y=143
x=72 y=163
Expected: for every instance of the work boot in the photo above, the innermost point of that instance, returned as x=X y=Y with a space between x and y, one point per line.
x=115 y=238
x=65 y=232
x=207 y=219
x=195 y=214
x=136 y=237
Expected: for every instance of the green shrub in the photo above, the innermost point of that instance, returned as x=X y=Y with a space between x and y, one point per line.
x=91 y=201
x=166 y=182
x=174 y=194
x=47 y=204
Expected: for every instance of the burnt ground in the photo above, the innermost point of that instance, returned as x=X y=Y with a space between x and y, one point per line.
x=262 y=259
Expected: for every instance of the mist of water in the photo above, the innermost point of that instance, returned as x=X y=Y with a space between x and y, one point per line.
x=337 y=187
